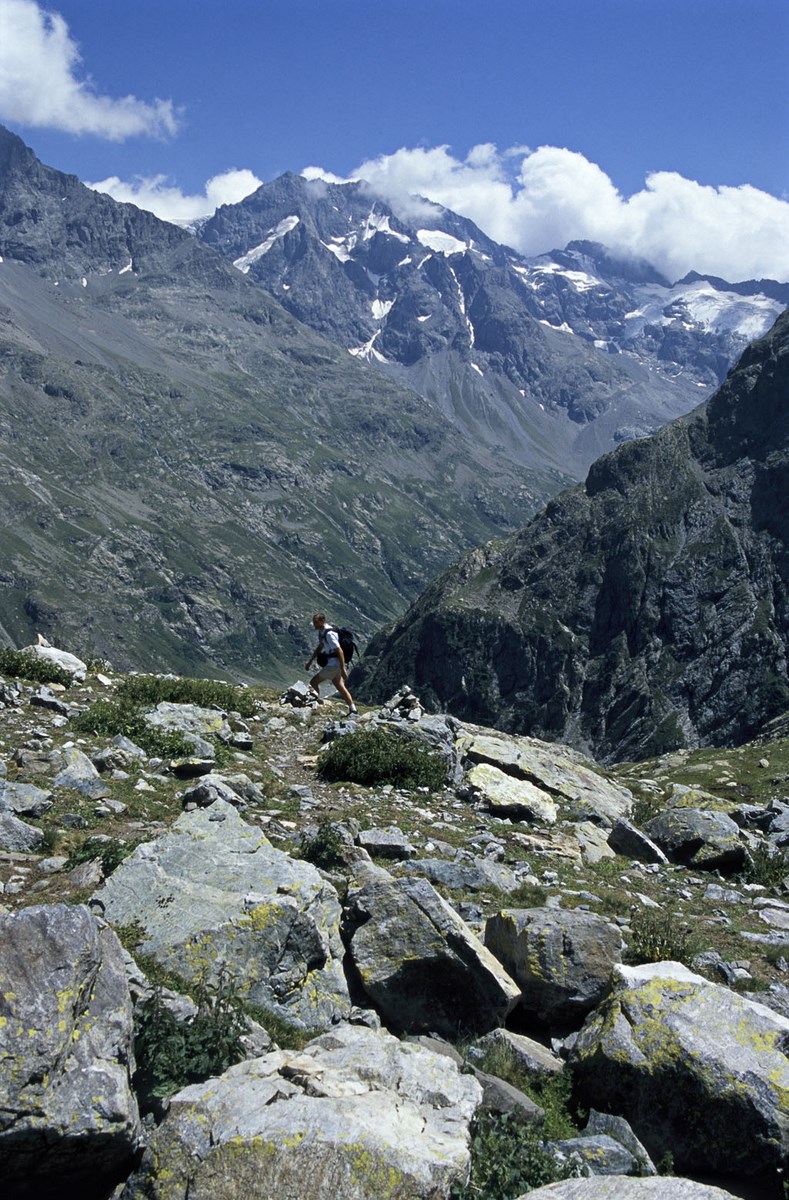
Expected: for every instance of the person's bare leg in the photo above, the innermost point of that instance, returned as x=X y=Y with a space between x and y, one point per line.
x=315 y=685
x=341 y=687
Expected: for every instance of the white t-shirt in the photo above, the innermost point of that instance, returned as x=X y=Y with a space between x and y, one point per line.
x=330 y=644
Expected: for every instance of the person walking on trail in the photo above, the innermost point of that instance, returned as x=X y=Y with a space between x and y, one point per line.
x=331 y=662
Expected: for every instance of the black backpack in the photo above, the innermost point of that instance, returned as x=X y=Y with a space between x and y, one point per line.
x=347 y=645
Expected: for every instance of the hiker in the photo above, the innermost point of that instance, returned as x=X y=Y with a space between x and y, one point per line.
x=333 y=666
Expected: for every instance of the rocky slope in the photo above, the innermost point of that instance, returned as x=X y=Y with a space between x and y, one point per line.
x=189 y=472
x=641 y=611
x=528 y=884
x=553 y=359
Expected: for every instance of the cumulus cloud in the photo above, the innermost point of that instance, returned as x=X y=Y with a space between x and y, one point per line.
x=40 y=83
x=538 y=200
x=159 y=196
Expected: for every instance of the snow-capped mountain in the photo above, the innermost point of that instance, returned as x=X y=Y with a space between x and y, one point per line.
x=553 y=359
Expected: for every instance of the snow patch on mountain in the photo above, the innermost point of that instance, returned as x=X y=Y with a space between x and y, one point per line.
x=247 y=260
x=441 y=243
x=700 y=304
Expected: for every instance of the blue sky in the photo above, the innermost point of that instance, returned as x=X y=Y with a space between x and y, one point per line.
x=659 y=126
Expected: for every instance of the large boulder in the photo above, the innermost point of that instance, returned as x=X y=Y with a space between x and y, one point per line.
x=708 y=841
x=214 y=894
x=75 y=667
x=419 y=962
x=68 y=1119
x=698 y=1070
x=558 y=774
x=356 y=1115
x=561 y=959
x=198 y=725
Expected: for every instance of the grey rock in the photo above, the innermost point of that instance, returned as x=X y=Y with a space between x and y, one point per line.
x=627 y=840
x=61 y=658
x=65 y=1053
x=528 y=1054
x=561 y=959
x=710 y=1061
x=621 y=1187
x=24 y=799
x=46 y=698
x=78 y=772
x=597 y=1154
x=18 y=835
x=196 y=724
x=619 y=1128
x=479 y=875
x=386 y=843
x=420 y=964
x=357 y=1114
x=501 y=1097
x=215 y=891
x=708 y=841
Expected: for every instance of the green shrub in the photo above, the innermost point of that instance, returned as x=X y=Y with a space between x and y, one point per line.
x=378 y=756
x=171 y=1054
x=20 y=665
x=766 y=866
x=113 y=717
x=149 y=690
x=508 y=1158
x=110 y=853
x=325 y=848
x=553 y=1092
x=657 y=936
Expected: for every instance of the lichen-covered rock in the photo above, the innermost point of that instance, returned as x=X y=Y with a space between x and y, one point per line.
x=65 y=1054
x=709 y=841
x=196 y=724
x=698 y=1070
x=561 y=959
x=473 y=876
x=419 y=962
x=558 y=773
x=24 y=799
x=75 y=770
x=214 y=892
x=18 y=835
x=504 y=796
x=356 y=1115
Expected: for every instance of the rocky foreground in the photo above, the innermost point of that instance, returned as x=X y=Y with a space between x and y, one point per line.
x=391 y=955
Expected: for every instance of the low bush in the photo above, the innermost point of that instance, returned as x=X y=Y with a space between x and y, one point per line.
x=171 y=1054
x=20 y=665
x=325 y=848
x=148 y=690
x=113 y=717
x=508 y=1158
x=766 y=866
x=658 y=936
x=377 y=756
x=110 y=853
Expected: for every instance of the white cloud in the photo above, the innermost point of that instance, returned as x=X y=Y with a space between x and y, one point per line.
x=538 y=200
x=40 y=85
x=168 y=202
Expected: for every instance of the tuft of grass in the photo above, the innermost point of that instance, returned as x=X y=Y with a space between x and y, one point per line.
x=553 y=1093
x=20 y=665
x=377 y=756
x=110 y=853
x=112 y=717
x=658 y=936
x=149 y=690
x=766 y=866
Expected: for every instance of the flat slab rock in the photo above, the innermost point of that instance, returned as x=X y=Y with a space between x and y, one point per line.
x=556 y=770
x=620 y=1187
x=356 y=1115
x=215 y=891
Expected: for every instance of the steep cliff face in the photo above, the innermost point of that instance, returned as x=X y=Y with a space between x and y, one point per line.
x=643 y=610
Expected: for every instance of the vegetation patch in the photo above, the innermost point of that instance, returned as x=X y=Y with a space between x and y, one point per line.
x=659 y=936
x=374 y=757
x=149 y=690
x=508 y=1158
x=112 y=717
x=110 y=853
x=324 y=848
x=172 y=1054
x=20 y=665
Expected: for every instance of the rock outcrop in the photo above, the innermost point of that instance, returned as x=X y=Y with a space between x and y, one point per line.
x=642 y=611
x=68 y=1117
